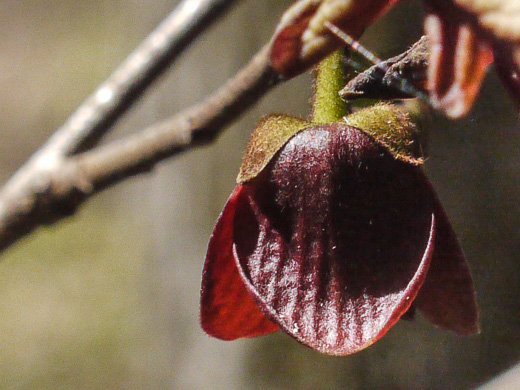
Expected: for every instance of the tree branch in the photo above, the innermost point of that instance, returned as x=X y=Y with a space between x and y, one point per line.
x=56 y=192
x=128 y=82
x=23 y=192
x=195 y=126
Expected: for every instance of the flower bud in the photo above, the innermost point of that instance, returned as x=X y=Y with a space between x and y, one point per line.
x=332 y=235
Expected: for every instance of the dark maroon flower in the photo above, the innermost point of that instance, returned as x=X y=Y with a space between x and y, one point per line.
x=332 y=235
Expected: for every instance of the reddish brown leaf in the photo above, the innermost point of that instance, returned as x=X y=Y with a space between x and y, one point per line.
x=286 y=47
x=334 y=238
x=228 y=311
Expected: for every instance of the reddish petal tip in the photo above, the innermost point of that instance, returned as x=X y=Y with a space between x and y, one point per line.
x=228 y=311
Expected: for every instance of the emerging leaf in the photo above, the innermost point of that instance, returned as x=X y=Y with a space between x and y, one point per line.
x=459 y=58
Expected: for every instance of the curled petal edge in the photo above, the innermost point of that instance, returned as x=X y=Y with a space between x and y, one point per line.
x=228 y=310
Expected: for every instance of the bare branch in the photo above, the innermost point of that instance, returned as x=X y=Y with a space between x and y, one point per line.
x=23 y=193
x=94 y=117
x=55 y=193
x=195 y=126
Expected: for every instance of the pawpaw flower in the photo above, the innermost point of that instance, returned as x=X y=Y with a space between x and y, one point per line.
x=333 y=234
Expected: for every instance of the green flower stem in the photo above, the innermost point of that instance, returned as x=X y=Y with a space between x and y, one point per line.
x=328 y=107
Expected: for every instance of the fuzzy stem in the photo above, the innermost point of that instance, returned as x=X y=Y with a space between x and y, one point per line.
x=330 y=79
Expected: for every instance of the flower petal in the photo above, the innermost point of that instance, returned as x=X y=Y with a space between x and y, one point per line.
x=228 y=311
x=459 y=59
x=343 y=238
x=447 y=297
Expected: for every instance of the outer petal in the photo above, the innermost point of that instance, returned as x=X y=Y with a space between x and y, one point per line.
x=228 y=311
x=447 y=297
x=459 y=59
x=335 y=238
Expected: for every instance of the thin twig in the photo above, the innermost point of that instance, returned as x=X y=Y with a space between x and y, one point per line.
x=23 y=192
x=158 y=51
x=78 y=177
x=195 y=126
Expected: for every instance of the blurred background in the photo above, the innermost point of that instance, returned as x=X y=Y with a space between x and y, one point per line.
x=109 y=299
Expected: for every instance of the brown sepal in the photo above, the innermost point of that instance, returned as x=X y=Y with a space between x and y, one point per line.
x=269 y=136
